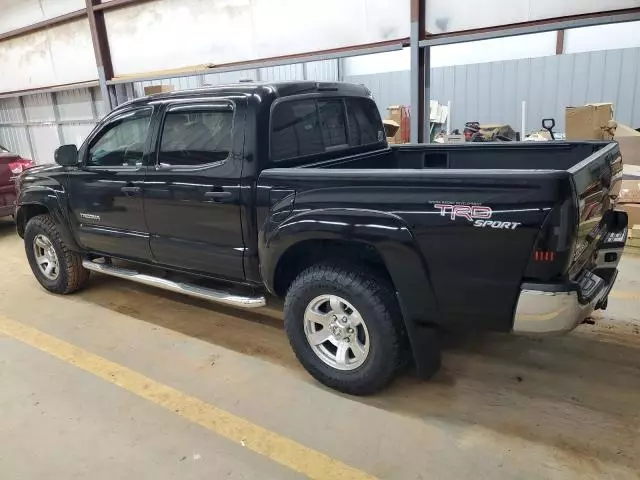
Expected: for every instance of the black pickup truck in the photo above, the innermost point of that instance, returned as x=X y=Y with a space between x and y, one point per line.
x=230 y=192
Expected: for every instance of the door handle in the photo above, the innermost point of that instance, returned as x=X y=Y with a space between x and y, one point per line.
x=130 y=189
x=217 y=195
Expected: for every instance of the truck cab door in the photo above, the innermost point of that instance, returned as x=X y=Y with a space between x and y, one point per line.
x=192 y=193
x=105 y=191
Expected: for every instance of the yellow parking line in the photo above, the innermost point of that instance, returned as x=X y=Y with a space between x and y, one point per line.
x=280 y=449
x=625 y=295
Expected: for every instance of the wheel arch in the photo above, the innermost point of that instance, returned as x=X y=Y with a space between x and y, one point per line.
x=27 y=210
x=379 y=239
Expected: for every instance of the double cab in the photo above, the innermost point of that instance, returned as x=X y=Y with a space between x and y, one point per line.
x=235 y=192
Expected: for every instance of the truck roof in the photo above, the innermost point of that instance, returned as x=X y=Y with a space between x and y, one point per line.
x=264 y=90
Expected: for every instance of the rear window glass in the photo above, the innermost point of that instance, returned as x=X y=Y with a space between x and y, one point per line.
x=307 y=127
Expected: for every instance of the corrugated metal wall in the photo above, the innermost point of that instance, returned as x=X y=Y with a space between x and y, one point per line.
x=13 y=135
x=493 y=92
x=35 y=125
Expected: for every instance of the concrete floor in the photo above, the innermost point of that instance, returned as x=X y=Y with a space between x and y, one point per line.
x=502 y=407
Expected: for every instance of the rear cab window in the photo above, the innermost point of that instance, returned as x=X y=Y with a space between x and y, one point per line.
x=317 y=126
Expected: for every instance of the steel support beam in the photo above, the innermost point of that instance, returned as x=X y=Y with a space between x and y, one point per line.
x=100 y=49
x=56 y=116
x=420 y=63
x=559 y=42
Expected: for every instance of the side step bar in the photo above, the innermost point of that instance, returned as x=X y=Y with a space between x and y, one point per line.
x=197 y=291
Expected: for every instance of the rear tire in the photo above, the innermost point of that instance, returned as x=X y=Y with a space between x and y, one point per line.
x=356 y=311
x=57 y=268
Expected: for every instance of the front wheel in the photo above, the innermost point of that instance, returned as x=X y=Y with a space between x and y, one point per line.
x=57 y=268
x=345 y=328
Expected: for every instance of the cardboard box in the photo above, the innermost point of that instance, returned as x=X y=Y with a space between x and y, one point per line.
x=630 y=191
x=158 y=89
x=399 y=115
x=629 y=141
x=391 y=127
x=589 y=122
x=633 y=211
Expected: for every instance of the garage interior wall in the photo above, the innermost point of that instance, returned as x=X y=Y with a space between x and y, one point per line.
x=181 y=33
x=485 y=81
x=493 y=92
x=35 y=125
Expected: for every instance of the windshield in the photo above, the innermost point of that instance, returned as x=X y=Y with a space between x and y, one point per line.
x=3 y=149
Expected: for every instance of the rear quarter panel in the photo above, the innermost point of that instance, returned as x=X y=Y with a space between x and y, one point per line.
x=452 y=271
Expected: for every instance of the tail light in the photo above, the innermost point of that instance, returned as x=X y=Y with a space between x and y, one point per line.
x=20 y=166
x=544 y=256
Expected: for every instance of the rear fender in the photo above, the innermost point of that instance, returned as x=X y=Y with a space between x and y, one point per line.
x=392 y=239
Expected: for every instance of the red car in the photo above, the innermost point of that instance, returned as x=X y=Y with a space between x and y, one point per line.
x=11 y=165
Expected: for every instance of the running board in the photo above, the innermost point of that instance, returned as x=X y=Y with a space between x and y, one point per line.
x=197 y=291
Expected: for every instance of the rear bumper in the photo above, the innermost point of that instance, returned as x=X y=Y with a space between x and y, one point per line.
x=559 y=308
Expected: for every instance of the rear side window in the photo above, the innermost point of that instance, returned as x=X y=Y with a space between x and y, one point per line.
x=296 y=130
x=364 y=122
x=197 y=136
x=307 y=127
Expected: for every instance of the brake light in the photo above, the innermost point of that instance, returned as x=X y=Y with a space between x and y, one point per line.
x=545 y=255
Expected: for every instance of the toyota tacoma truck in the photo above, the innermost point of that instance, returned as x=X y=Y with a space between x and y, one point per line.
x=230 y=193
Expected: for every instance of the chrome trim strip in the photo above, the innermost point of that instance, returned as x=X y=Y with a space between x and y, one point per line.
x=197 y=291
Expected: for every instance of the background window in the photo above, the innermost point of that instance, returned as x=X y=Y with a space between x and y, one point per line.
x=364 y=122
x=196 y=137
x=122 y=143
x=296 y=130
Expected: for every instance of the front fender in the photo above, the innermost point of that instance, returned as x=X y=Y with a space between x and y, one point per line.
x=37 y=198
x=385 y=232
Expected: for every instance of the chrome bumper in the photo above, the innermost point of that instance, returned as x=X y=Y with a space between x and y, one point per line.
x=553 y=309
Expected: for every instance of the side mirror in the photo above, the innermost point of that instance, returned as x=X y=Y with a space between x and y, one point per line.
x=66 y=155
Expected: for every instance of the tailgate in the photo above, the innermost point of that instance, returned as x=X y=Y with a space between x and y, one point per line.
x=596 y=182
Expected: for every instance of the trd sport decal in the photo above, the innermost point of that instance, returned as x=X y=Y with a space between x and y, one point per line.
x=480 y=215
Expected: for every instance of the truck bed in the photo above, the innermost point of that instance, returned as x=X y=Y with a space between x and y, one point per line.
x=548 y=196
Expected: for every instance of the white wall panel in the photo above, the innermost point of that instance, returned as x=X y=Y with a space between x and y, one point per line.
x=178 y=33
x=75 y=133
x=20 y=13
x=602 y=37
x=10 y=110
x=15 y=139
x=323 y=70
x=39 y=108
x=74 y=104
x=448 y=16
x=59 y=55
x=45 y=141
x=284 y=72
